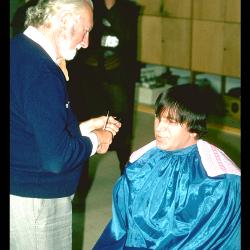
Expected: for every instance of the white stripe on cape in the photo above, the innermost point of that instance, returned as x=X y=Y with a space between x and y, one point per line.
x=214 y=160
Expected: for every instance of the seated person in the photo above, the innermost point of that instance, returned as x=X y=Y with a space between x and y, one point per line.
x=178 y=191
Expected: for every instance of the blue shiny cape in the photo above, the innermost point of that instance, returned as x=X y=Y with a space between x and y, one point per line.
x=166 y=200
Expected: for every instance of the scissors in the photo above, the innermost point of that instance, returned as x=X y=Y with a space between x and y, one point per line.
x=107 y=118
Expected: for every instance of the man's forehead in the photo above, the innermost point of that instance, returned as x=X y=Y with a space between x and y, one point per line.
x=168 y=112
x=86 y=18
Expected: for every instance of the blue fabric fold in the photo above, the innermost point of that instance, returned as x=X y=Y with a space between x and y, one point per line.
x=166 y=200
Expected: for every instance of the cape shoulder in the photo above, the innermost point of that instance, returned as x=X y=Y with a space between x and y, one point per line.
x=141 y=151
x=215 y=161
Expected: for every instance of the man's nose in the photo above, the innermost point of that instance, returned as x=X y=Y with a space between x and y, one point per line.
x=162 y=126
x=85 y=41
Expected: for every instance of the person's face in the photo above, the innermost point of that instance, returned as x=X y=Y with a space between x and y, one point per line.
x=75 y=34
x=171 y=135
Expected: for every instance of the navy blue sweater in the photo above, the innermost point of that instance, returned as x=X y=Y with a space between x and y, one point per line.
x=47 y=150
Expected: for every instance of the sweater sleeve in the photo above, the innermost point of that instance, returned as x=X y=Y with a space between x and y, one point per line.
x=46 y=109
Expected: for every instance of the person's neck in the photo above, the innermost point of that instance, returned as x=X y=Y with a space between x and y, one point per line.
x=109 y=3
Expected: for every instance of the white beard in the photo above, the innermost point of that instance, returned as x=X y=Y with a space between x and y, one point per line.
x=65 y=52
x=68 y=54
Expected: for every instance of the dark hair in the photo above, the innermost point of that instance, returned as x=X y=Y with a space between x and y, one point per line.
x=185 y=103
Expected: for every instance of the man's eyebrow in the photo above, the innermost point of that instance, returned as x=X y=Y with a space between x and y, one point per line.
x=170 y=116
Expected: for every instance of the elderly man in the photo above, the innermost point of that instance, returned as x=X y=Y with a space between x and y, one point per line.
x=178 y=191
x=47 y=145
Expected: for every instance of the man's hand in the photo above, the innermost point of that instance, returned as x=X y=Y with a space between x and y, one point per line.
x=90 y=125
x=105 y=138
x=105 y=128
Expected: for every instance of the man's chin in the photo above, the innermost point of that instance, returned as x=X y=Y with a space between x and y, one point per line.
x=163 y=145
x=160 y=145
x=69 y=56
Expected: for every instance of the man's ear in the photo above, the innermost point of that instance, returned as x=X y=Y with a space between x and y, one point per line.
x=193 y=135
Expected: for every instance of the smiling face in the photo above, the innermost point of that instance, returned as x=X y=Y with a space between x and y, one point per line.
x=171 y=135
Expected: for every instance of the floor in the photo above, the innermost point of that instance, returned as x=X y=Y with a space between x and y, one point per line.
x=92 y=209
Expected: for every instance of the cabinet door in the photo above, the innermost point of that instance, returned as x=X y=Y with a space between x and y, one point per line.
x=209 y=9
x=176 y=48
x=180 y=8
x=150 y=39
x=149 y=7
x=207 y=46
x=216 y=48
x=231 y=59
x=232 y=13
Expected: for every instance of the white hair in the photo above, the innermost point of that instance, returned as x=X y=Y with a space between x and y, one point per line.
x=46 y=10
